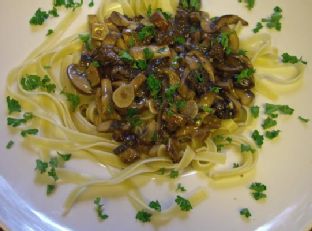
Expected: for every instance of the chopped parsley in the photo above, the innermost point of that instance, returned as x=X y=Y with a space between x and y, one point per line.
x=254 y=110
x=245 y=74
x=33 y=82
x=185 y=204
x=258 y=190
x=162 y=171
x=180 y=188
x=283 y=109
x=54 y=12
x=193 y=5
x=50 y=31
x=149 y=11
x=50 y=189
x=86 y=39
x=170 y=92
x=53 y=162
x=52 y=173
x=73 y=99
x=180 y=40
x=258 y=27
x=133 y=118
x=287 y=58
x=140 y=64
x=65 y=157
x=246 y=148
x=165 y=14
x=99 y=209
x=95 y=64
x=155 y=205
x=68 y=3
x=241 y=52
x=199 y=77
x=206 y=108
x=249 y=3
x=154 y=85
x=174 y=174
x=131 y=42
x=125 y=56
x=245 y=212
x=31 y=131
x=180 y=104
x=215 y=89
x=268 y=123
x=91 y=3
x=303 y=119
x=145 y=32
x=41 y=166
x=257 y=138
x=13 y=105
x=223 y=39
x=272 y=134
x=17 y=122
x=274 y=20
x=143 y=216
x=39 y=17
x=148 y=53
x=10 y=144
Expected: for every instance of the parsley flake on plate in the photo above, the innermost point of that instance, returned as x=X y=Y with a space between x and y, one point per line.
x=155 y=205
x=245 y=212
x=13 y=105
x=143 y=216
x=257 y=138
x=184 y=204
x=258 y=190
x=287 y=58
x=99 y=209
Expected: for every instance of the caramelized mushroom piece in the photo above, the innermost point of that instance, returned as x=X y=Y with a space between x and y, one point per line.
x=93 y=76
x=108 y=126
x=206 y=64
x=159 y=21
x=138 y=81
x=227 y=20
x=118 y=19
x=79 y=79
x=246 y=97
x=190 y=109
x=129 y=156
x=205 y=22
x=159 y=52
x=124 y=96
x=174 y=150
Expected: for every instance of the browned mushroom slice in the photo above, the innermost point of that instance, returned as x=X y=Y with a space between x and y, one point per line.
x=79 y=79
x=205 y=22
x=174 y=150
x=118 y=19
x=138 y=81
x=174 y=78
x=98 y=31
x=192 y=62
x=109 y=126
x=227 y=20
x=207 y=100
x=111 y=38
x=123 y=96
x=159 y=21
x=93 y=75
x=190 y=110
x=246 y=97
x=152 y=107
x=158 y=51
x=211 y=122
x=129 y=156
x=206 y=64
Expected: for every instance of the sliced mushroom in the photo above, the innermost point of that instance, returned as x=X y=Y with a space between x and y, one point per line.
x=99 y=31
x=174 y=78
x=192 y=62
x=227 y=20
x=129 y=156
x=152 y=107
x=159 y=52
x=206 y=64
x=118 y=19
x=246 y=97
x=159 y=21
x=207 y=100
x=93 y=76
x=138 y=81
x=79 y=79
x=205 y=22
x=124 y=96
x=174 y=150
x=108 y=126
x=111 y=38
x=190 y=110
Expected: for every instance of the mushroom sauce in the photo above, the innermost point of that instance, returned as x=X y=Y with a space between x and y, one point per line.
x=163 y=82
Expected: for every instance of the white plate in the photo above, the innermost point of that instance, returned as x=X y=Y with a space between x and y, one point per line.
x=285 y=165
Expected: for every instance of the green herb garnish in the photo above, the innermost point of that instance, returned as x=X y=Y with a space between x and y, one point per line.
x=180 y=188
x=185 y=204
x=145 y=32
x=86 y=39
x=50 y=189
x=9 y=144
x=257 y=138
x=143 y=216
x=303 y=119
x=258 y=27
x=258 y=190
x=254 y=110
x=125 y=56
x=179 y=40
x=268 y=123
x=274 y=20
x=32 y=131
x=245 y=74
x=287 y=58
x=272 y=134
x=65 y=157
x=272 y=108
x=13 y=105
x=155 y=205
x=174 y=174
x=41 y=166
x=154 y=85
x=247 y=148
x=73 y=99
x=245 y=212
x=39 y=17
x=99 y=209
x=148 y=53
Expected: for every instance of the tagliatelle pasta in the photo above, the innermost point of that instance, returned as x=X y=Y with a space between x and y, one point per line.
x=62 y=129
